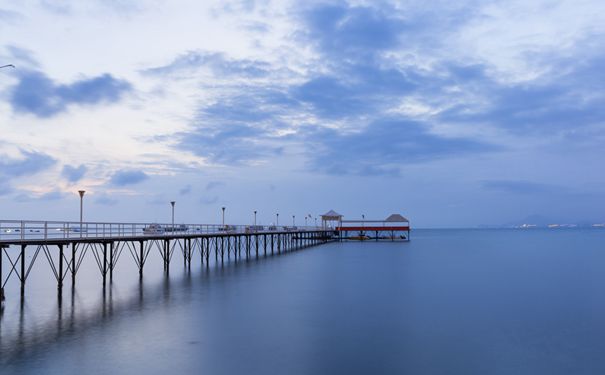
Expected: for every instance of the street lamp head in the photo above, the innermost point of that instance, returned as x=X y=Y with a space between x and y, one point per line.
x=223 y=208
x=81 y=192
x=172 y=203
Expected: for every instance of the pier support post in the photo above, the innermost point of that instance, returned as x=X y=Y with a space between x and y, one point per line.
x=104 y=263
x=141 y=261
x=207 y=252
x=111 y=264
x=73 y=264
x=1 y=277
x=60 y=281
x=23 y=270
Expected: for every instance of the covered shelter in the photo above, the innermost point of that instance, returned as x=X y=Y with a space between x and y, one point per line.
x=329 y=218
x=394 y=228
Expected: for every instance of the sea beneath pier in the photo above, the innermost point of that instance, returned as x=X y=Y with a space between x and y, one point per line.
x=485 y=301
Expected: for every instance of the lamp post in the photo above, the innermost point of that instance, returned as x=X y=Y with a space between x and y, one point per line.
x=277 y=219
x=293 y=220
x=306 y=217
x=316 y=222
x=223 y=217
x=363 y=225
x=81 y=192
x=254 y=219
x=172 y=204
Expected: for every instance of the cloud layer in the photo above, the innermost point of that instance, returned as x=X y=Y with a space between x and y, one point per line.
x=37 y=94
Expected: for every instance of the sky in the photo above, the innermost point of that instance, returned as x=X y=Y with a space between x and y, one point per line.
x=454 y=114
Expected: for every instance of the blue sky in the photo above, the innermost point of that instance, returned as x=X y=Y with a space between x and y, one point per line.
x=452 y=113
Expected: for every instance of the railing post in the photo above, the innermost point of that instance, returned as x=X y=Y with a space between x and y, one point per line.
x=22 y=229
x=45 y=229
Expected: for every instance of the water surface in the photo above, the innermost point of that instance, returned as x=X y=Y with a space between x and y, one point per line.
x=448 y=302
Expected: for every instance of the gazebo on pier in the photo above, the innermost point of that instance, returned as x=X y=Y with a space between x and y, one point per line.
x=329 y=218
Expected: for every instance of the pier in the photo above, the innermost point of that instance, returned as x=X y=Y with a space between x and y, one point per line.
x=65 y=244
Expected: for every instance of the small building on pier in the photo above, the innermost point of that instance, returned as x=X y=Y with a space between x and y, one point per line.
x=331 y=219
x=393 y=228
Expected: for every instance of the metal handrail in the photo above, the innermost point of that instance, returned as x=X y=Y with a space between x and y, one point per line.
x=12 y=230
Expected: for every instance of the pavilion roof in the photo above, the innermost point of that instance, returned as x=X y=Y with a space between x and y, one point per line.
x=396 y=218
x=331 y=213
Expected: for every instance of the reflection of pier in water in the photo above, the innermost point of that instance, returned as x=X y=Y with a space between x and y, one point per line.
x=25 y=337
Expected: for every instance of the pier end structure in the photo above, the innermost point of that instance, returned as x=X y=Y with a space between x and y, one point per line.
x=394 y=228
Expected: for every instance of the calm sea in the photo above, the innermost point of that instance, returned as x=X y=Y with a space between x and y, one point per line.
x=448 y=302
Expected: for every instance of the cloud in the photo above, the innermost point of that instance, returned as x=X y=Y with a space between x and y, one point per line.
x=37 y=94
x=128 y=177
x=519 y=187
x=344 y=108
x=214 y=184
x=383 y=147
x=73 y=174
x=218 y=63
x=353 y=31
x=30 y=162
x=185 y=190
x=105 y=200
x=238 y=129
x=9 y=15
x=49 y=196
x=209 y=201
x=5 y=188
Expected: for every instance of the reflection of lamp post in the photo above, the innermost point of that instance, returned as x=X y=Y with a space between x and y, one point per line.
x=223 y=217
x=254 y=219
x=172 y=204
x=81 y=192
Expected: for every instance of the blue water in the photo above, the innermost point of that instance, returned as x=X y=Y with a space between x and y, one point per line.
x=448 y=302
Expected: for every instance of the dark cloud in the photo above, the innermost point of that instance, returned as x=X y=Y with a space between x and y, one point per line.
x=383 y=147
x=353 y=31
x=345 y=108
x=128 y=177
x=37 y=94
x=31 y=162
x=238 y=129
x=73 y=174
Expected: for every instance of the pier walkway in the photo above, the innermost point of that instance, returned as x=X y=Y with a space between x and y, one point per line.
x=65 y=244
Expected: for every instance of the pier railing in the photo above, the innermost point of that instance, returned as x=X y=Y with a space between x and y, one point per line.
x=11 y=230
